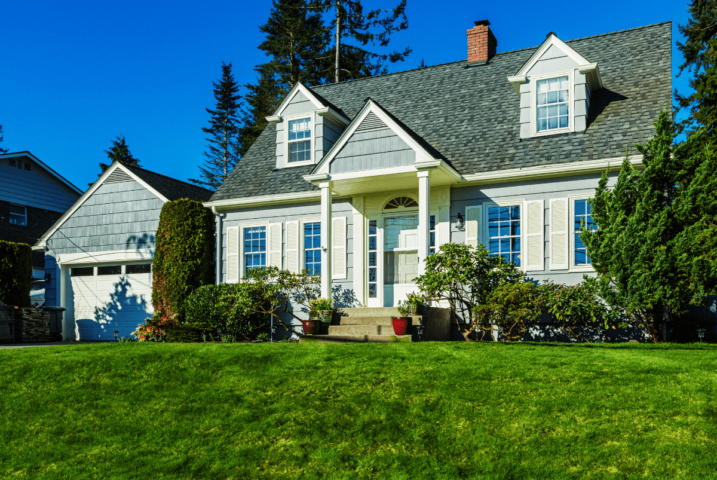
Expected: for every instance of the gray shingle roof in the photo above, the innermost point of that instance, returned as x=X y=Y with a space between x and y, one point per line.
x=470 y=116
x=171 y=188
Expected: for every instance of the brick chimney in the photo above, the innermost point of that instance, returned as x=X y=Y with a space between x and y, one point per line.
x=481 y=43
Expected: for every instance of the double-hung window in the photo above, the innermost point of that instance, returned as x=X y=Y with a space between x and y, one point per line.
x=18 y=215
x=582 y=212
x=432 y=243
x=312 y=247
x=372 y=259
x=299 y=140
x=504 y=232
x=552 y=104
x=254 y=248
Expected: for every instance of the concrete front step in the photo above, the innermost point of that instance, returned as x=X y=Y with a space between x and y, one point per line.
x=377 y=320
x=367 y=312
x=354 y=338
x=359 y=329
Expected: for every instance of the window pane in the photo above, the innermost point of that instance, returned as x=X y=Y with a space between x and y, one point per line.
x=371 y=274
x=579 y=207
x=372 y=290
x=563 y=122
x=563 y=109
x=552 y=123
x=138 y=268
x=299 y=129
x=372 y=259
x=300 y=151
x=109 y=270
x=542 y=112
x=542 y=125
x=552 y=97
x=372 y=243
x=82 y=272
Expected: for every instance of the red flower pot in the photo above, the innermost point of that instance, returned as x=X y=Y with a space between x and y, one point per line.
x=311 y=327
x=399 y=325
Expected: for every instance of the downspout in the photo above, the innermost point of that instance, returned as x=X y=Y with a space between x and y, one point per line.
x=218 y=260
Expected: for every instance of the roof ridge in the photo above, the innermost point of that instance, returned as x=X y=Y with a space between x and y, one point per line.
x=326 y=85
x=167 y=176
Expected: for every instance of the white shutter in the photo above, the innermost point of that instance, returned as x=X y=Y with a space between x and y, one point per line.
x=534 y=240
x=232 y=254
x=338 y=248
x=559 y=239
x=473 y=225
x=292 y=247
x=274 y=244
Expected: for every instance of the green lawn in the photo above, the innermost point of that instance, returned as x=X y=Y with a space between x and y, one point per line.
x=404 y=411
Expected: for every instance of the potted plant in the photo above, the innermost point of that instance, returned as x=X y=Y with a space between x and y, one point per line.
x=311 y=326
x=400 y=324
x=322 y=309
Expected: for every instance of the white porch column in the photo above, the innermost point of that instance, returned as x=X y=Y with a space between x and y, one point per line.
x=424 y=218
x=326 y=221
x=62 y=292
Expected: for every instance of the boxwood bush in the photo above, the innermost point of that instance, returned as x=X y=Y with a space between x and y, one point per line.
x=15 y=273
x=184 y=258
x=228 y=307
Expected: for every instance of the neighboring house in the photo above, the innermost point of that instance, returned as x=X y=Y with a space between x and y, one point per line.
x=360 y=181
x=32 y=198
x=99 y=253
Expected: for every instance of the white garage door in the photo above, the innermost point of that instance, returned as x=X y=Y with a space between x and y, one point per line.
x=110 y=297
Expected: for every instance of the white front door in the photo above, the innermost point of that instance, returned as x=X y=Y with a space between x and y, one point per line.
x=400 y=258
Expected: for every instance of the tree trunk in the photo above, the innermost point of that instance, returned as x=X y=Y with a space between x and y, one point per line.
x=338 y=40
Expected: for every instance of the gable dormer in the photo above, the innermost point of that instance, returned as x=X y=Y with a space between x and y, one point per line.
x=555 y=87
x=306 y=128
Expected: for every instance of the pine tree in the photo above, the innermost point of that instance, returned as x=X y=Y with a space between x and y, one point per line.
x=354 y=60
x=261 y=100
x=2 y=137
x=700 y=53
x=119 y=151
x=221 y=156
x=652 y=248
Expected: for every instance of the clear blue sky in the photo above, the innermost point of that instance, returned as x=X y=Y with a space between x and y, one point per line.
x=75 y=74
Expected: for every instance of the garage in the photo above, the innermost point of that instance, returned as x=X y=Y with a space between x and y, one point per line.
x=109 y=298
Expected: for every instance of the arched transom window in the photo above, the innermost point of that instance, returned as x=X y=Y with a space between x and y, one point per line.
x=401 y=202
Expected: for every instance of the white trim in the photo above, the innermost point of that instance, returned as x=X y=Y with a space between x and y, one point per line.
x=549 y=42
x=43 y=165
x=333 y=115
x=571 y=242
x=534 y=108
x=275 y=253
x=110 y=256
x=233 y=278
x=535 y=265
x=80 y=201
x=421 y=154
x=243 y=227
x=339 y=253
x=273 y=119
x=517 y=81
x=548 y=171
x=265 y=200
x=293 y=249
x=312 y=126
x=299 y=87
x=473 y=240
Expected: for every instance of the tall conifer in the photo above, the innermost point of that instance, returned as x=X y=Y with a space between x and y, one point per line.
x=261 y=100
x=2 y=137
x=118 y=151
x=221 y=155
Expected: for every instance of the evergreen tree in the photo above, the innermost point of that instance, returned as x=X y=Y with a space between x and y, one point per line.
x=375 y=27
x=2 y=137
x=648 y=249
x=261 y=100
x=223 y=128
x=119 y=151
x=700 y=52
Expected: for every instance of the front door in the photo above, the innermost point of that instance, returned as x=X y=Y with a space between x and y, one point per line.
x=400 y=257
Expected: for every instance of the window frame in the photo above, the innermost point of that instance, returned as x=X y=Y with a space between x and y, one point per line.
x=312 y=122
x=534 y=103
x=10 y=215
x=571 y=241
x=483 y=234
x=242 y=264
x=302 y=248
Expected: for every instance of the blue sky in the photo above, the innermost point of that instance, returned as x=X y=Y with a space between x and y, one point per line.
x=75 y=74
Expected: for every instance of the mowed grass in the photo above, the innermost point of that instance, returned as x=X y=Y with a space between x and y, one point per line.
x=400 y=411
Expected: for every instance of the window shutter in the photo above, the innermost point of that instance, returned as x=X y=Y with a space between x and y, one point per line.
x=534 y=240
x=274 y=243
x=559 y=240
x=338 y=248
x=473 y=225
x=232 y=254
x=292 y=247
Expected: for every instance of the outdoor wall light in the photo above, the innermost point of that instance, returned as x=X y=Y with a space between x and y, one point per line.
x=701 y=334
x=48 y=277
x=116 y=335
x=419 y=330
x=460 y=224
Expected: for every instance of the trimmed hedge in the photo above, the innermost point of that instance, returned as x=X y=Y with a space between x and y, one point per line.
x=184 y=258
x=15 y=273
x=189 y=333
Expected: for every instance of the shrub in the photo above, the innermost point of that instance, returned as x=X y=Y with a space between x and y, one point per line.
x=184 y=258
x=15 y=273
x=235 y=309
x=154 y=328
x=187 y=333
x=513 y=307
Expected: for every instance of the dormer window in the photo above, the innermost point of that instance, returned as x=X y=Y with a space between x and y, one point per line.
x=299 y=140
x=553 y=100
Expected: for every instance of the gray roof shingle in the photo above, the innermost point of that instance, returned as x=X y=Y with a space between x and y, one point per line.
x=171 y=188
x=470 y=116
